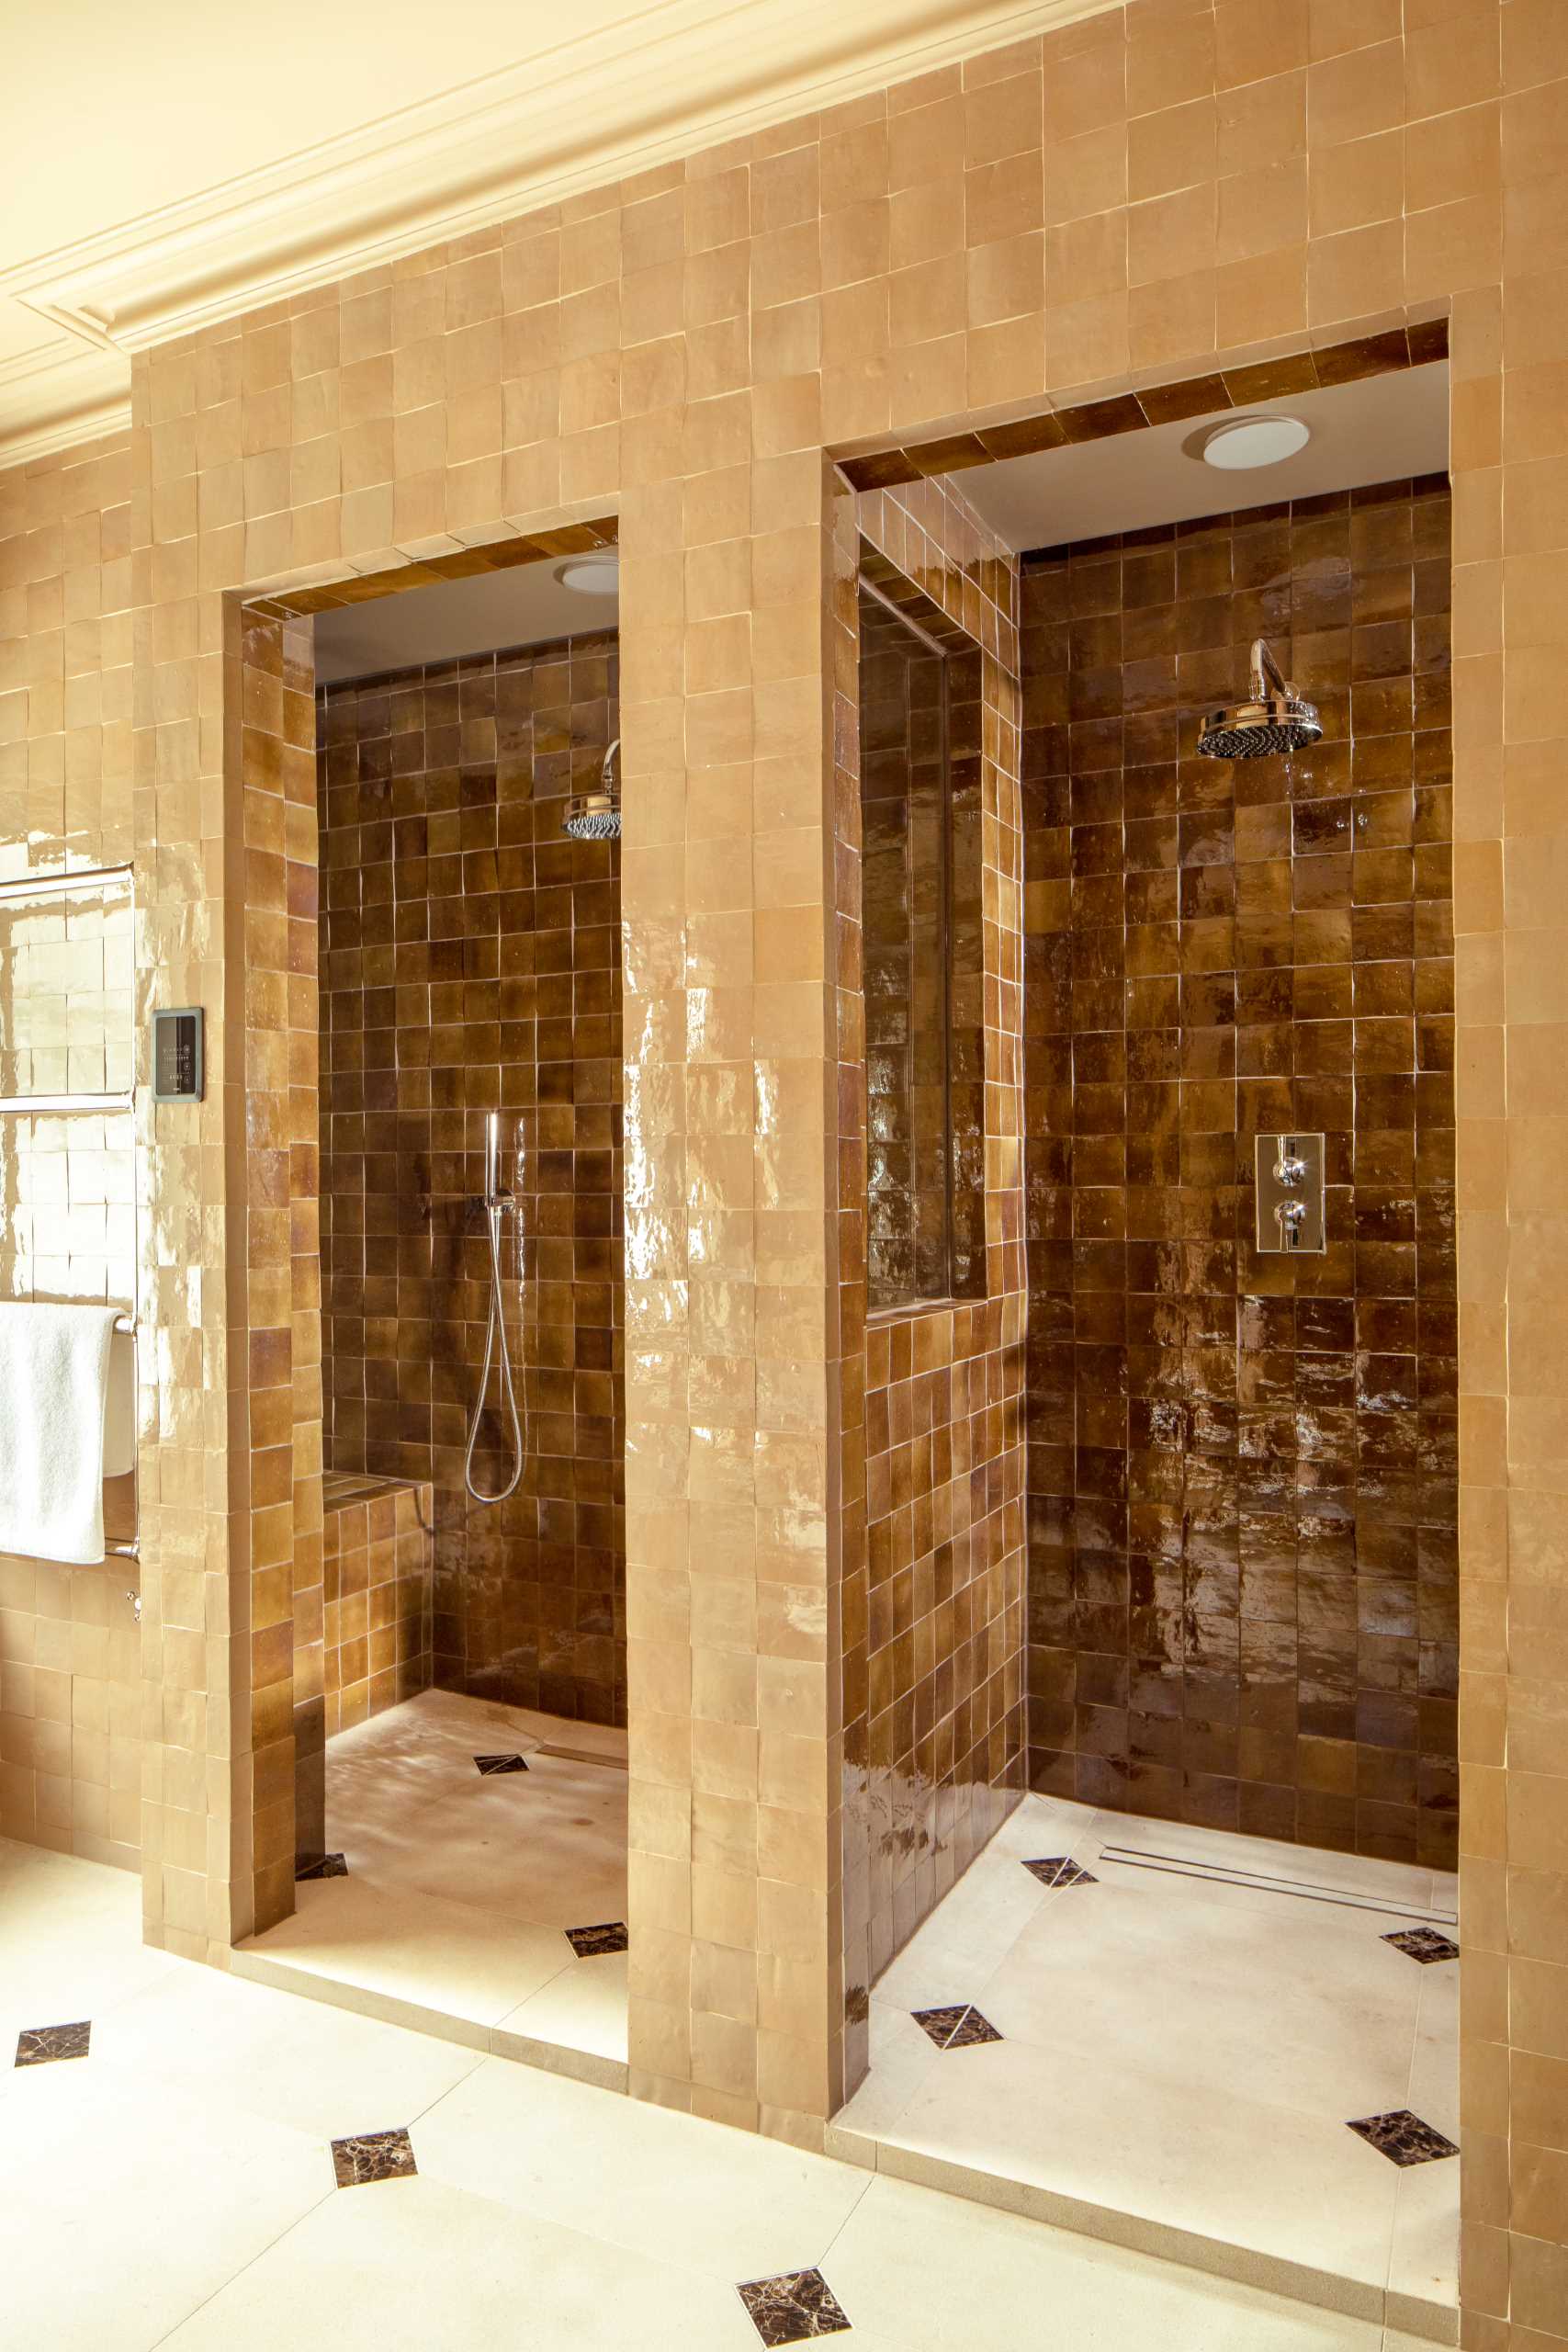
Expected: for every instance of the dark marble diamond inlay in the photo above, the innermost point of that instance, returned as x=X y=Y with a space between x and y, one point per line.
x=373 y=2156
x=42 y=2044
x=1060 y=1869
x=589 y=1942
x=958 y=2027
x=1424 y=1944
x=489 y=1764
x=1403 y=2138
x=329 y=1866
x=794 y=2307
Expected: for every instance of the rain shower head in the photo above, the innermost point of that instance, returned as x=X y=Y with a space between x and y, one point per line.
x=1277 y=720
x=596 y=816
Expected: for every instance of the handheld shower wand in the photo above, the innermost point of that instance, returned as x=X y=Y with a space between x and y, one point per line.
x=497 y=1204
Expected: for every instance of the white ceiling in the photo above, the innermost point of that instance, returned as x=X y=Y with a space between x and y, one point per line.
x=524 y=604
x=1381 y=429
x=172 y=162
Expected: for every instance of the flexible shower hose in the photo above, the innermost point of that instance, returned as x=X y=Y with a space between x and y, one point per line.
x=496 y=1327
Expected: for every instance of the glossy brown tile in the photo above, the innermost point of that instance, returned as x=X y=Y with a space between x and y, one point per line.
x=1242 y=1498
x=469 y=963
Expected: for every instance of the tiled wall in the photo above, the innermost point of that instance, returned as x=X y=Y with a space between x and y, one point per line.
x=1157 y=191
x=1244 y=1594
x=934 y=1458
x=470 y=962
x=378 y=1558
x=70 y=1684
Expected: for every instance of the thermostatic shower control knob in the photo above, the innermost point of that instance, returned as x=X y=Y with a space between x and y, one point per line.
x=1289 y=1193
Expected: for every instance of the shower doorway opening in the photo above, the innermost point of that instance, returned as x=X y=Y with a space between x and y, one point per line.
x=459 y=1627
x=1198 y=1994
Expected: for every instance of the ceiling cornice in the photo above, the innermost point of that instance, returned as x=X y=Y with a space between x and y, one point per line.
x=684 y=74
x=58 y=395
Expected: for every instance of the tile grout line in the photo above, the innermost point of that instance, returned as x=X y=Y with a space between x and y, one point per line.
x=185 y=2317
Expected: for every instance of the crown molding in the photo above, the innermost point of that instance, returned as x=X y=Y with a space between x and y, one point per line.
x=682 y=75
x=58 y=395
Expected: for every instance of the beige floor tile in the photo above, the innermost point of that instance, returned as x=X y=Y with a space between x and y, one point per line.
x=547 y=1845
x=242 y=2046
x=582 y=2008
x=69 y=1942
x=1300 y=2007
x=125 y=2204
x=731 y=2204
x=1423 y=2257
x=1001 y=2281
x=420 y=2263
x=901 y=2058
x=1226 y=2167
x=447 y=1957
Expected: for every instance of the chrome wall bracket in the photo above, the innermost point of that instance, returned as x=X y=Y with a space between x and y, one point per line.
x=1290 y=1195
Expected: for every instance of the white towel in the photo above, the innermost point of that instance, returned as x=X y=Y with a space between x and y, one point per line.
x=54 y=1369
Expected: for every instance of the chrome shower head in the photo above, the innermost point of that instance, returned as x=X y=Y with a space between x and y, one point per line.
x=596 y=816
x=1276 y=721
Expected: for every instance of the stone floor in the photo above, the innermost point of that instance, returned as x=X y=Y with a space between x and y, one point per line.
x=178 y=2186
x=1192 y=2041
x=464 y=1881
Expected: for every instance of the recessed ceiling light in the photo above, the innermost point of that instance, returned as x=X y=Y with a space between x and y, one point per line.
x=589 y=575
x=1243 y=442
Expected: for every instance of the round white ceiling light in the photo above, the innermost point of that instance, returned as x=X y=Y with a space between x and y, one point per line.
x=1243 y=442
x=589 y=575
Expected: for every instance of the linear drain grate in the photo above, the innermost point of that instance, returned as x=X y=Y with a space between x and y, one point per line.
x=1266 y=1883
x=584 y=1756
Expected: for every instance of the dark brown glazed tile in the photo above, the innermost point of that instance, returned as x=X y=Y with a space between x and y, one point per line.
x=1241 y=1501
x=1100 y=419
x=1424 y=1944
x=490 y=1766
x=1272 y=379
x=588 y=1943
x=1373 y=354
x=793 y=2308
x=1026 y=438
x=958 y=2027
x=1060 y=1869
x=455 y=912
x=41 y=2045
x=1403 y=2138
x=1170 y=403
x=884 y=470
x=950 y=454
x=328 y=1866
x=373 y=2156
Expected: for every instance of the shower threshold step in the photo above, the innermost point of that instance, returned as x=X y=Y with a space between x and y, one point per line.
x=505 y=1986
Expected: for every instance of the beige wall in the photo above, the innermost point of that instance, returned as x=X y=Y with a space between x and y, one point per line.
x=1139 y=195
x=70 y=1690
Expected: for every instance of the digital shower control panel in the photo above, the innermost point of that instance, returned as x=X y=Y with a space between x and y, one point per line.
x=1290 y=1195
x=177 y=1071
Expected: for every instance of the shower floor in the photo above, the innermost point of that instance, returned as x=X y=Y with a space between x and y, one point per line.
x=1180 y=2055
x=461 y=1885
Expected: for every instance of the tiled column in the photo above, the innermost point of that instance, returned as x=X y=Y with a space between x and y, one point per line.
x=1510 y=459
x=735 y=1995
